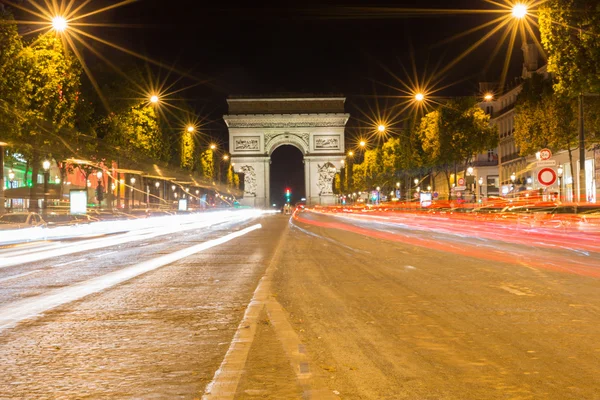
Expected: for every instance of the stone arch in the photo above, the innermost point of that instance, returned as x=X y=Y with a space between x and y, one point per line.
x=274 y=141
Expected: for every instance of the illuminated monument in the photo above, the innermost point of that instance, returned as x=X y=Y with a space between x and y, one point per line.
x=314 y=125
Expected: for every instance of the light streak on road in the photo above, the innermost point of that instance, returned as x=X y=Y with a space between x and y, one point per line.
x=138 y=230
x=496 y=250
x=111 y=227
x=15 y=312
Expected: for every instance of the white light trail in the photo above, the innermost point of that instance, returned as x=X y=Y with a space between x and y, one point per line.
x=13 y=313
x=146 y=230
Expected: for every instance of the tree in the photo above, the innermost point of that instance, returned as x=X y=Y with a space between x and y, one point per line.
x=453 y=134
x=187 y=150
x=13 y=78
x=544 y=118
x=208 y=165
x=136 y=132
x=569 y=31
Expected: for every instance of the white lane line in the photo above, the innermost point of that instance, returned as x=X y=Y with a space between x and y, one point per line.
x=8 y=278
x=70 y=262
x=105 y=254
x=13 y=313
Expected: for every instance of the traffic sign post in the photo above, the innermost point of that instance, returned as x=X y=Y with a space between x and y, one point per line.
x=546 y=176
x=545 y=154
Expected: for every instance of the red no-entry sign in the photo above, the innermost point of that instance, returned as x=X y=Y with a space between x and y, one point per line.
x=546 y=176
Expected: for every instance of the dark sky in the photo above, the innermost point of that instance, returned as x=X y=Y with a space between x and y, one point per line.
x=305 y=47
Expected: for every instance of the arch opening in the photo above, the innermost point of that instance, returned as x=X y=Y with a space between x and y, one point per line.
x=286 y=172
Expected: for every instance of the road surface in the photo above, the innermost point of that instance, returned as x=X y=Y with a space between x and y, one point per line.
x=316 y=306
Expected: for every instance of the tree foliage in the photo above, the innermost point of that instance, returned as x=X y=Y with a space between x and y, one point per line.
x=453 y=134
x=569 y=31
x=208 y=164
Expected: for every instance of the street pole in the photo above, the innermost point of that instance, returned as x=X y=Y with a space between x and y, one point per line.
x=582 y=197
x=45 y=205
x=2 y=210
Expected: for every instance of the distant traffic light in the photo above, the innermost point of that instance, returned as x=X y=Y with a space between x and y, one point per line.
x=288 y=195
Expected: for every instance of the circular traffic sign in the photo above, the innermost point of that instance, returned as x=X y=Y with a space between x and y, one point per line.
x=546 y=176
x=435 y=195
x=461 y=181
x=416 y=195
x=545 y=154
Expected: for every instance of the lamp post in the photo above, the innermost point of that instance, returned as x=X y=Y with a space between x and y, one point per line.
x=480 y=182
x=11 y=178
x=46 y=166
x=132 y=181
x=559 y=172
x=2 y=144
x=378 y=189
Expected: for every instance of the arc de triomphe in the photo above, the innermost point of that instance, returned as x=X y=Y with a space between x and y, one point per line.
x=314 y=125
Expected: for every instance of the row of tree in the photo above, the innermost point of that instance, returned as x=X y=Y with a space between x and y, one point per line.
x=443 y=141
x=546 y=113
x=50 y=109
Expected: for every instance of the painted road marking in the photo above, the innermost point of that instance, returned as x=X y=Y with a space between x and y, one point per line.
x=13 y=313
x=71 y=262
x=18 y=276
x=105 y=254
x=227 y=377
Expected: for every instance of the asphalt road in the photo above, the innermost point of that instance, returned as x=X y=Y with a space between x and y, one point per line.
x=316 y=306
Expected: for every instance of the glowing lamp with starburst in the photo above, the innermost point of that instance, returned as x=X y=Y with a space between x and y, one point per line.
x=419 y=97
x=59 y=24
x=519 y=11
x=154 y=99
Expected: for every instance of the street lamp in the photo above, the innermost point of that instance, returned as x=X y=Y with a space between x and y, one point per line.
x=132 y=180
x=342 y=162
x=378 y=189
x=381 y=128
x=190 y=129
x=11 y=178
x=419 y=97
x=154 y=99
x=470 y=171
x=99 y=175
x=213 y=146
x=59 y=23
x=362 y=143
x=157 y=184
x=488 y=97
x=559 y=173
x=416 y=181
x=350 y=153
x=480 y=181
x=225 y=157
x=519 y=11
x=46 y=166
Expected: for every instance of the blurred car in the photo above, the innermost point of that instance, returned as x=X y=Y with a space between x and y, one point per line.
x=58 y=219
x=21 y=220
x=106 y=215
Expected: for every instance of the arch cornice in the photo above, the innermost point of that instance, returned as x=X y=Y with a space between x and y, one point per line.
x=286 y=120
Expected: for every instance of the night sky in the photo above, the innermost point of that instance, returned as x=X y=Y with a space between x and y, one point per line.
x=302 y=47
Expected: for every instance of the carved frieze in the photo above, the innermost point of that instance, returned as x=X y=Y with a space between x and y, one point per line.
x=327 y=173
x=330 y=142
x=246 y=143
x=249 y=180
